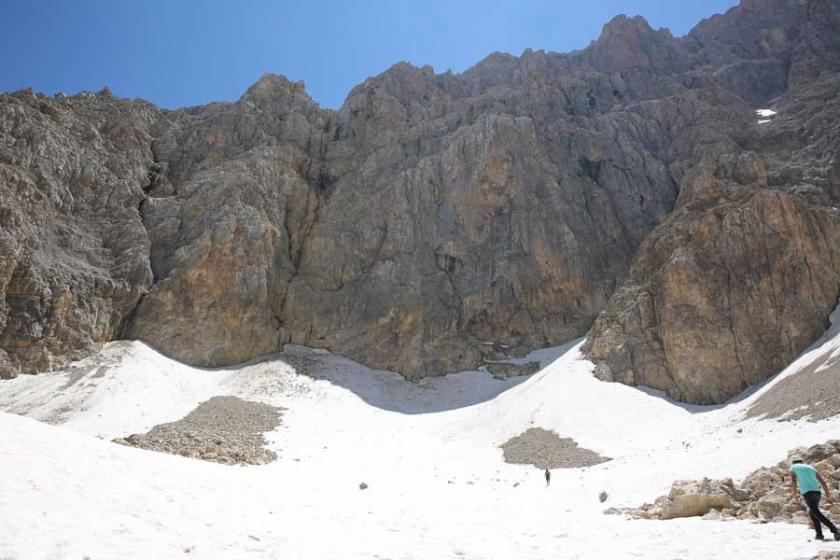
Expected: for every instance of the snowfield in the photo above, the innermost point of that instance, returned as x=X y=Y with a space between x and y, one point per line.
x=438 y=486
x=765 y=115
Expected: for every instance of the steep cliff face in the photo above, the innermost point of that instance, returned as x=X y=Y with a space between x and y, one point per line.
x=457 y=221
x=227 y=216
x=742 y=276
x=438 y=220
x=74 y=255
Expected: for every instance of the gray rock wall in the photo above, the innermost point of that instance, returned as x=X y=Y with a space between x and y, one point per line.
x=437 y=218
x=74 y=254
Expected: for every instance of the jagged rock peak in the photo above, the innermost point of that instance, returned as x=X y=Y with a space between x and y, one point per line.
x=399 y=88
x=497 y=57
x=398 y=77
x=408 y=68
x=622 y=24
x=494 y=65
x=627 y=42
x=271 y=88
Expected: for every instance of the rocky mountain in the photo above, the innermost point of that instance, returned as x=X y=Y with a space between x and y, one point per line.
x=439 y=220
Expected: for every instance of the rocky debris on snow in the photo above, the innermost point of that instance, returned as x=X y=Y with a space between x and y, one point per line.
x=225 y=429
x=514 y=202
x=7 y=369
x=825 y=555
x=545 y=449
x=505 y=370
x=695 y=498
x=764 y=495
x=812 y=393
x=363 y=486
x=602 y=497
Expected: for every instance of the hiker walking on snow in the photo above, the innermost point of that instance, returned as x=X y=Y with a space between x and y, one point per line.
x=809 y=482
x=547 y=477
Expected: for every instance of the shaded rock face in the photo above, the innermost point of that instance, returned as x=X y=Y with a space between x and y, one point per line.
x=502 y=370
x=436 y=217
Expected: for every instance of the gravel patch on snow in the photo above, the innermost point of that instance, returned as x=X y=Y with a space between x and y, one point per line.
x=545 y=449
x=826 y=555
x=226 y=430
x=505 y=370
x=813 y=393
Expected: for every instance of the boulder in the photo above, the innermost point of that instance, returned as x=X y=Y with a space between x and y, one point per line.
x=502 y=370
x=764 y=495
x=693 y=498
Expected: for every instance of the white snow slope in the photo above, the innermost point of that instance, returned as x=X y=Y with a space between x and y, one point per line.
x=765 y=115
x=438 y=487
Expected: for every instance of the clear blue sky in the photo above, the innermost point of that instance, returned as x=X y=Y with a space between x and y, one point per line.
x=178 y=52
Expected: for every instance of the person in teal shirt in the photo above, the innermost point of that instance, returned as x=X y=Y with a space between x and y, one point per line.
x=809 y=481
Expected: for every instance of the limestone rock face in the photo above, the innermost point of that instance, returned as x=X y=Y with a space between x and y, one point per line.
x=74 y=255
x=742 y=276
x=470 y=220
x=227 y=215
x=685 y=322
x=440 y=221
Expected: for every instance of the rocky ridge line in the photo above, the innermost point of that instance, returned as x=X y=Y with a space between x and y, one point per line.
x=439 y=221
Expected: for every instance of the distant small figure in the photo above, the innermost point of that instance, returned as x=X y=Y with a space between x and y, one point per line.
x=808 y=481
x=547 y=477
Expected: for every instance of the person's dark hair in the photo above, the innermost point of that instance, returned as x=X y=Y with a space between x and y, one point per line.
x=796 y=461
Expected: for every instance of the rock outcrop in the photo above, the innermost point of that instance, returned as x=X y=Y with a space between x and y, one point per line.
x=227 y=216
x=439 y=221
x=764 y=495
x=686 y=320
x=742 y=276
x=74 y=254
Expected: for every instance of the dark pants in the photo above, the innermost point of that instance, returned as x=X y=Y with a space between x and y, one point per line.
x=813 y=500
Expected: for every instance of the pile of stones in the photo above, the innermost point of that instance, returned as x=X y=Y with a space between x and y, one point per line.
x=764 y=495
x=226 y=430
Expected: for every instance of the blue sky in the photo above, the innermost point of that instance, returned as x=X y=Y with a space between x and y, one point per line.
x=178 y=53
